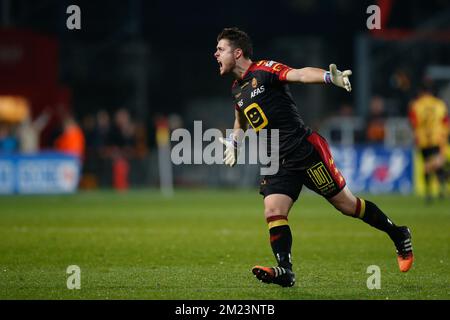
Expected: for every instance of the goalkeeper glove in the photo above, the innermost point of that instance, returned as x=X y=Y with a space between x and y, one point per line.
x=231 y=150
x=338 y=78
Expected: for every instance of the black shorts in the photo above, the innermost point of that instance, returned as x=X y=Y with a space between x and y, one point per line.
x=317 y=171
x=429 y=152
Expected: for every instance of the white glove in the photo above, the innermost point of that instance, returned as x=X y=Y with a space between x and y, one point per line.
x=231 y=150
x=340 y=79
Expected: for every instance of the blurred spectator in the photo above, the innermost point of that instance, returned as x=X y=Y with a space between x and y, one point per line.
x=117 y=150
x=175 y=121
x=88 y=177
x=89 y=129
x=123 y=130
x=104 y=149
x=123 y=140
x=71 y=139
x=345 y=111
x=103 y=129
x=141 y=140
x=401 y=80
x=8 y=142
x=29 y=132
x=375 y=123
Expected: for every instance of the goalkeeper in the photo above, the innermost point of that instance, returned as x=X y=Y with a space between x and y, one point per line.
x=263 y=100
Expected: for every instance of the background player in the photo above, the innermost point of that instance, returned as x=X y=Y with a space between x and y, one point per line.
x=263 y=100
x=429 y=119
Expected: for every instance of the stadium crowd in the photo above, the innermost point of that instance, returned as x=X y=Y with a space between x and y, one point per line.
x=105 y=144
x=114 y=147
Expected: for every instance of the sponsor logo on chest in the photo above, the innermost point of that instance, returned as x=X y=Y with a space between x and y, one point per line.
x=257 y=91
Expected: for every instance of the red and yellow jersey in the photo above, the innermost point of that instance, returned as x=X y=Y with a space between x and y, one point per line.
x=429 y=119
x=262 y=95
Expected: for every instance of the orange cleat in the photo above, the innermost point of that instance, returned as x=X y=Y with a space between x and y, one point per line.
x=405 y=262
x=277 y=275
x=405 y=255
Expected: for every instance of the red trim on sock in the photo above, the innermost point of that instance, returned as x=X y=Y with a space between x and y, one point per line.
x=275 y=237
x=275 y=218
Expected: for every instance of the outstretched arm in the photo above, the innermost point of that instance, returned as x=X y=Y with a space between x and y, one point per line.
x=317 y=75
x=306 y=75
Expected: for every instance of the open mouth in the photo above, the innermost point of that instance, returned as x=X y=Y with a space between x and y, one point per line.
x=220 y=64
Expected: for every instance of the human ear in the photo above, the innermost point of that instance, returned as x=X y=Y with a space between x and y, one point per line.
x=238 y=53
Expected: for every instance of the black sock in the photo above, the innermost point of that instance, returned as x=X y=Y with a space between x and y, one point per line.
x=368 y=212
x=281 y=240
x=440 y=173
x=427 y=184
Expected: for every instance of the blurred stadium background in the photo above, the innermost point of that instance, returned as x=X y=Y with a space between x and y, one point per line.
x=134 y=64
x=111 y=93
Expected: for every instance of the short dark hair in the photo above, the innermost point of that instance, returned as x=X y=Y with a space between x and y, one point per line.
x=238 y=39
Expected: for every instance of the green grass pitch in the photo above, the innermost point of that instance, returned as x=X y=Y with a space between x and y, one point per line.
x=201 y=244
